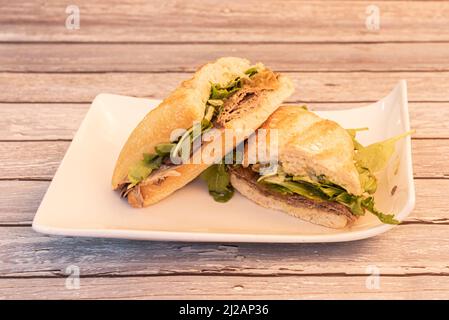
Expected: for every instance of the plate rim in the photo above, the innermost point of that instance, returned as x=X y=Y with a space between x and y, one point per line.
x=183 y=236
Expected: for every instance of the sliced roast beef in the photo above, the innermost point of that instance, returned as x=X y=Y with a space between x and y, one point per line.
x=248 y=97
x=296 y=200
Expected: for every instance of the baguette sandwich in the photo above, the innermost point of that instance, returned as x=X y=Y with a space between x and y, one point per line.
x=229 y=93
x=321 y=173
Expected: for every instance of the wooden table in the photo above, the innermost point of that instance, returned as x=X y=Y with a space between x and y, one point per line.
x=49 y=75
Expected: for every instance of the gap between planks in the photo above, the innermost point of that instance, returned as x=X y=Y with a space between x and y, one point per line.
x=20 y=122
x=316 y=86
x=288 y=58
x=250 y=21
x=59 y=274
x=404 y=250
x=204 y=287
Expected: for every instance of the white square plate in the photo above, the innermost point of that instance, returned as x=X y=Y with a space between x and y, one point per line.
x=80 y=202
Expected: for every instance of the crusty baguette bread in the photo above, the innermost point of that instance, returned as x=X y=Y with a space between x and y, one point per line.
x=147 y=194
x=185 y=105
x=310 y=144
x=306 y=144
x=178 y=111
x=313 y=215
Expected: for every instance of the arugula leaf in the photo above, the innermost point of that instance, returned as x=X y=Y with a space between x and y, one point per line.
x=164 y=148
x=218 y=182
x=150 y=162
x=324 y=190
x=302 y=188
x=368 y=159
x=353 y=133
x=367 y=180
x=138 y=173
x=143 y=168
x=331 y=191
x=368 y=204
x=354 y=203
x=251 y=71
x=148 y=157
x=282 y=190
x=375 y=156
x=219 y=92
x=215 y=102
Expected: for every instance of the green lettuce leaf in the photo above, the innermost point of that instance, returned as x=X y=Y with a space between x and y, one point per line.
x=375 y=156
x=218 y=182
x=143 y=168
x=219 y=92
x=367 y=180
x=302 y=188
x=251 y=71
x=164 y=149
x=138 y=173
x=150 y=162
x=324 y=190
x=353 y=133
x=368 y=204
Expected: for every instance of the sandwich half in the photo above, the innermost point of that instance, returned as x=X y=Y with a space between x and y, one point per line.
x=320 y=173
x=229 y=93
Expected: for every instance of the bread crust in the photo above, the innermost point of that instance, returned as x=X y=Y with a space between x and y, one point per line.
x=313 y=215
x=148 y=194
x=310 y=144
x=186 y=104
x=179 y=110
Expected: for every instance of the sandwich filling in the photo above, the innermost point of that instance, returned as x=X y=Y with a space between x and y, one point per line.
x=225 y=104
x=304 y=196
x=311 y=190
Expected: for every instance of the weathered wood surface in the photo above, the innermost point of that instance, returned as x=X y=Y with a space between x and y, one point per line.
x=396 y=253
x=49 y=75
x=310 y=86
x=226 y=288
x=225 y=21
x=300 y=57
x=19 y=121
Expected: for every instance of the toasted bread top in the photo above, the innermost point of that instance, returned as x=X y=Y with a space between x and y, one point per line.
x=310 y=145
x=185 y=105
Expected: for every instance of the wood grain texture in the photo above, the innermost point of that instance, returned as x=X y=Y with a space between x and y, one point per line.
x=52 y=122
x=49 y=75
x=60 y=121
x=413 y=249
x=226 y=21
x=19 y=201
x=40 y=159
x=310 y=86
x=88 y=57
x=226 y=288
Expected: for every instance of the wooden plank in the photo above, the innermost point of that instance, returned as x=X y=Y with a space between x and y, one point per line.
x=40 y=159
x=412 y=249
x=237 y=21
x=38 y=57
x=310 y=87
x=216 y=287
x=19 y=201
x=52 y=122
x=31 y=160
x=21 y=122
